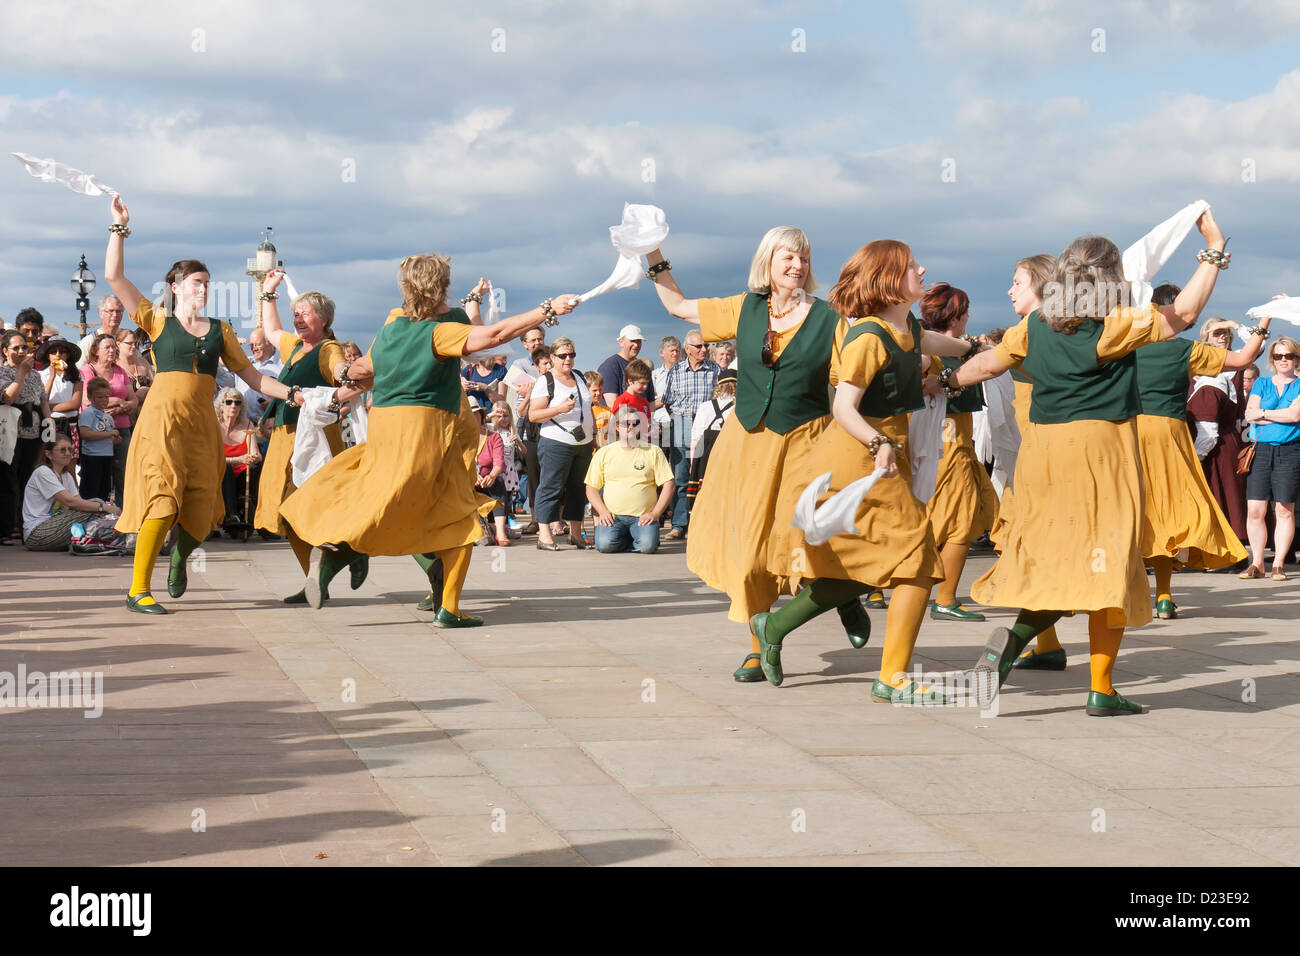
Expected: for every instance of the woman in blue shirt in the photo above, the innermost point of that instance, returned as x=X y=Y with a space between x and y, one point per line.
x=1274 y=411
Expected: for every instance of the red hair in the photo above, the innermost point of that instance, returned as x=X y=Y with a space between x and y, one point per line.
x=872 y=279
x=943 y=307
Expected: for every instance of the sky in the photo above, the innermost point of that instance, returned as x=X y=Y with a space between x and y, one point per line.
x=509 y=135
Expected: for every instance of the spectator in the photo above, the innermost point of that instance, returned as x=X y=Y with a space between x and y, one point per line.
x=265 y=361
x=691 y=383
x=705 y=428
x=502 y=422
x=482 y=382
x=62 y=386
x=20 y=387
x=629 y=485
x=661 y=430
x=529 y=432
x=599 y=411
x=613 y=368
x=490 y=479
x=1274 y=410
x=98 y=436
x=122 y=402
x=723 y=354
x=110 y=319
x=130 y=361
x=561 y=405
x=51 y=505
x=239 y=440
x=31 y=324
x=1249 y=376
x=636 y=379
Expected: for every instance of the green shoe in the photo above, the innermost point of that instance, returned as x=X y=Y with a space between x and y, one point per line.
x=881 y=693
x=445 y=618
x=1166 y=610
x=749 y=675
x=360 y=567
x=770 y=654
x=429 y=603
x=952 y=612
x=177 y=581
x=133 y=604
x=299 y=598
x=857 y=625
x=876 y=600
x=326 y=563
x=911 y=695
x=1113 y=705
x=1041 y=661
x=999 y=653
x=433 y=600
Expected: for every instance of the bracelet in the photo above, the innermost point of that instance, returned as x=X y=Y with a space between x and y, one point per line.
x=292 y=390
x=119 y=229
x=952 y=391
x=1214 y=257
x=873 y=446
x=268 y=296
x=549 y=312
x=974 y=345
x=1260 y=330
x=472 y=297
x=662 y=266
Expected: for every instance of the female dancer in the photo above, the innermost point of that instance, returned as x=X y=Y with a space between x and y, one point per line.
x=1179 y=512
x=785 y=337
x=407 y=488
x=964 y=503
x=176 y=462
x=879 y=383
x=1215 y=409
x=1072 y=542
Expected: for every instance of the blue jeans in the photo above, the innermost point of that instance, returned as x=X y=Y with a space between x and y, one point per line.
x=563 y=478
x=625 y=533
x=681 y=465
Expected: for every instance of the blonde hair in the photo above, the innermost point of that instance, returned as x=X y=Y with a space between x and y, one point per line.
x=725 y=388
x=423 y=281
x=322 y=305
x=221 y=396
x=505 y=406
x=1213 y=325
x=560 y=343
x=1292 y=346
x=1039 y=268
x=777 y=238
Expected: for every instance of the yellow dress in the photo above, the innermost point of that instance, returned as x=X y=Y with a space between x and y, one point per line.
x=964 y=503
x=735 y=532
x=1179 y=509
x=893 y=542
x=1071 y=541
x=407 y=489
x=277 y=470
x=176 y=460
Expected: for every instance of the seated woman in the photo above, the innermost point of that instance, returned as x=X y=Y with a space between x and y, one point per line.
x=490 y=460
x=51 y=505
x=239 y=440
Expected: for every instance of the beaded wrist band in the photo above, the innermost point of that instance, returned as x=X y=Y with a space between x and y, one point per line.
x=873 y=446
x=952 y=391
x=472 y=297
x=118 y=229
x=268 y=296
x=1259 y=330
x=549 y=312
x=662 y=266
x=1214 y=257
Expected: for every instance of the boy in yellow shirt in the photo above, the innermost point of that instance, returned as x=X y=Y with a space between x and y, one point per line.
x=621 y=486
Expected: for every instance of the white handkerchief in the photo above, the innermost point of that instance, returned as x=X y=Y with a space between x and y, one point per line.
x=311 y=450
x=999 y=396
x=1286 y=308
x=1147 y=256
x=289 y=287
x=51 y=171
x=643 y=229
x=626 y=275
x=925 y=445
x=838 y=514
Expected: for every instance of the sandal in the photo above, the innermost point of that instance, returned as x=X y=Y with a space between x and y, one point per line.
x=1251 y=573
x=1278 y=573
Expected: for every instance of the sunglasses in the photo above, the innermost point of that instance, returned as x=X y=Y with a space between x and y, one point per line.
x=228 y=401
x=1289 y=356
x=565 y=355
x=766 y=354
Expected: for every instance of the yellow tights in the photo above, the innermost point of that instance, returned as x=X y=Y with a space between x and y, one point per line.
x=148 y=545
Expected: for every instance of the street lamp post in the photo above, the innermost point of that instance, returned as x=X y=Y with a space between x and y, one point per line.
x=258 y=267
x=83 y=281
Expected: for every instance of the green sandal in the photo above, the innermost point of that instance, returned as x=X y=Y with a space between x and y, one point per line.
x=770 y=654
x=749 y=675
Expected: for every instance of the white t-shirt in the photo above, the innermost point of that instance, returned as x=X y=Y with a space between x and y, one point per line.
x=580 y=414
x=704 y=421
x=38 y=499
x=61 y=392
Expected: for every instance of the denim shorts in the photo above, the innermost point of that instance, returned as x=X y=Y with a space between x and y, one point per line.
x=1275 y=473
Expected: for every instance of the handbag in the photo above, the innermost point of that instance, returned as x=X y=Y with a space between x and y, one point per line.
x=1245 y=458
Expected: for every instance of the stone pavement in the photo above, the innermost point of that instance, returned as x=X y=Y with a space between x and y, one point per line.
x=594 y=721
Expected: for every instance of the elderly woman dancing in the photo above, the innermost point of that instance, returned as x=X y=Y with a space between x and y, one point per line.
x=1072 y=542
x=176 y=461
x=408 y=488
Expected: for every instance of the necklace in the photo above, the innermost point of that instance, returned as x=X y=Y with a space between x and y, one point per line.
x=780 y=315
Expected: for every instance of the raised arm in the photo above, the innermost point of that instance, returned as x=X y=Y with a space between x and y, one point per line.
x=270 y=314
x=1247 y=354
x=472 y=307
x=488 y=337
x=688 y=310
x=115 y=261
x=1186 y=308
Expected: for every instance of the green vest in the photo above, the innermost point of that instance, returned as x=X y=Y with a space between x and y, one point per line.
x=1162 y=374
x=794 y=391
x=406 y=370
x=1019 y=376
x=972 y=397
x=1070 y=385
x=175 y=350
x=896 y=388
x=305 y=374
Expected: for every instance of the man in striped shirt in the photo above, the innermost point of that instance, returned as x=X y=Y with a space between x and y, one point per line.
x=690 y=384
